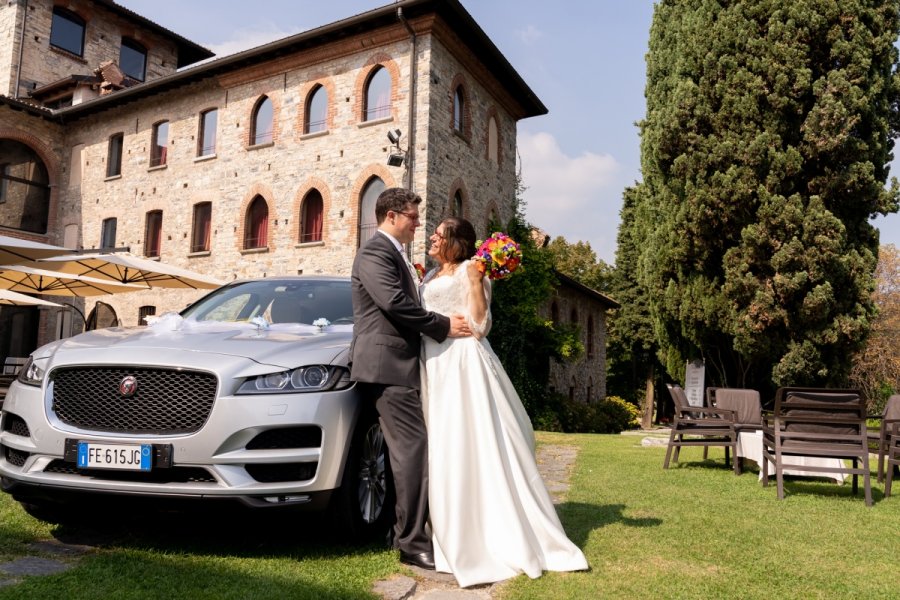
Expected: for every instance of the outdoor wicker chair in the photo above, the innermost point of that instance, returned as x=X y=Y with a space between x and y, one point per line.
x=700 y=426
x=893 y=457
x=817 y=422
x=890 y=416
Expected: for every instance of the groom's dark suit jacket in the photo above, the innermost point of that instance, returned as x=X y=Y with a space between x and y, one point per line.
x=388 y=317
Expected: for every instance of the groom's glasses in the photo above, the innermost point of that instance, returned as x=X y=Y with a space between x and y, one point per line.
x=410 y=215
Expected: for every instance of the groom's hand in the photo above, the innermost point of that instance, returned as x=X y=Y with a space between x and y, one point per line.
x=459 y=327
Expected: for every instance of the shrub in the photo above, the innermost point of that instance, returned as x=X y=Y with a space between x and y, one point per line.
x=609 y=415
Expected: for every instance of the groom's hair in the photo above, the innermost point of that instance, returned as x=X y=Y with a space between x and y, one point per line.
x=395 y=199
x=459 y=236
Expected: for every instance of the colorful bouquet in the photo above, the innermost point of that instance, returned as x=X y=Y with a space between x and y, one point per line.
x=420 y=271
x=498 y=256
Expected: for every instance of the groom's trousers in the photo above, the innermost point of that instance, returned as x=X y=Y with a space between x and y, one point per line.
x=403 y=423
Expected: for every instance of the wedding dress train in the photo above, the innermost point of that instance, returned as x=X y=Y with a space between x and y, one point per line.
x=491 y=515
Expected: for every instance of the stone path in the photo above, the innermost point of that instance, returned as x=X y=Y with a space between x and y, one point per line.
x=555 y=464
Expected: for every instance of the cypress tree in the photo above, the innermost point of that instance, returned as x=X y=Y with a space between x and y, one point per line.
x=765 y=153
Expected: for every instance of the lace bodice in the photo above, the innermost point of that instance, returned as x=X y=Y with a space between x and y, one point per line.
x=448 y=295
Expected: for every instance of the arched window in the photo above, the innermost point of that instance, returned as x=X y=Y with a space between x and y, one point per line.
x=256 y=224
x=316 y=111
x=554 y=313
x=24 y=188
x=201 y=226
x=311 y=218
x=459 y=109
x=133 y=59
x=378 y=95
x=262 y=122
x=590 y=336
x=159 y=146
x=153 y=233
x=67 y=31
x=590 y=389
x=367 y=222
x=144 y=312
x=573 y=317
x=456 y=206
x=493 y=141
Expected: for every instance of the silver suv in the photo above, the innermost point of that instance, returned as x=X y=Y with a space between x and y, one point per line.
x=244 y=396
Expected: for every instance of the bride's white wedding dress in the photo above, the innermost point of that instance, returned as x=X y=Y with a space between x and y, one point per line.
x=491 y=515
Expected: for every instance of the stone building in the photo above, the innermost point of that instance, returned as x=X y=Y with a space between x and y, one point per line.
x=585 y=379
x=260 y=163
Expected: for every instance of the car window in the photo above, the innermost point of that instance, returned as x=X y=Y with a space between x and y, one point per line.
x=279 y=301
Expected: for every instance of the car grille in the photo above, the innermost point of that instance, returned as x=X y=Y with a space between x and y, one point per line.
x=166 y=401
x=15 y=425
x=15 y=457
x=275 y=473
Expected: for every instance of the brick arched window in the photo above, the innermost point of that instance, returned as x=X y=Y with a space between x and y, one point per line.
x=367 y=222
x=459 y=109
x=493 y=141
x=256 y=225
x=378 y=95
x=311 y=217
x=159 y=144
x=573 y=317
x=456 y=206
x=316 y=113
x=262 y=122
x=554 y=313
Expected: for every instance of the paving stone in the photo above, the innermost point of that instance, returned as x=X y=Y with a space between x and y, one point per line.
x=396 y=588
x=59 y=548
x=654 y=441
x=33 y=565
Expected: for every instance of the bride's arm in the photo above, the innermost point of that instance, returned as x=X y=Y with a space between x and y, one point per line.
x=479 y=301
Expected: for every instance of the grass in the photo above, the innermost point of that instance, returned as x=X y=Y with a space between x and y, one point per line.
x=698 y=531
x=694 y=531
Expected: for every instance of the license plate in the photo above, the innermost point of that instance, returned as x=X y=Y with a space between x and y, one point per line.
x=124 y=457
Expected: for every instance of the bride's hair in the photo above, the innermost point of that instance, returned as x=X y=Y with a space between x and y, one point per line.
x=459 y=238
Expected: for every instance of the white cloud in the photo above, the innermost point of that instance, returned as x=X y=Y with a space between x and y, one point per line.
x=578 y=198
x=244 y=39
x=529 y=35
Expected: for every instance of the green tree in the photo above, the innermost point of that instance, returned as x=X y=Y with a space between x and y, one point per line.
x=631 y=342
x=765 y=152
x=580 y=262
x=523 y=340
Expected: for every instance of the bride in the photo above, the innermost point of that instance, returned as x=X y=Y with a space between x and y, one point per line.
x=491 y=516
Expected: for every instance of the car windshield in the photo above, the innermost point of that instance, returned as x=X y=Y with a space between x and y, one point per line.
x=278 y=300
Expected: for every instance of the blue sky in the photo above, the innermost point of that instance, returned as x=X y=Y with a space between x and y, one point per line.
x=585 y=60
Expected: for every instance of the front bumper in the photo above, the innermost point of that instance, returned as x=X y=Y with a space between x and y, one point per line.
x=213 y=462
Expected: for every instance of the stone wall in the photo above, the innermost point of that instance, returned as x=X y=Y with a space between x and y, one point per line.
x=338 y=163
x=43 y=63
x=583 y=380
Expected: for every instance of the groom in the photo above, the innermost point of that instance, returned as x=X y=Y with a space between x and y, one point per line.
x=384 y=357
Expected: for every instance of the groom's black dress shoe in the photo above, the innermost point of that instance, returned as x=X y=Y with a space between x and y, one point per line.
x=423 y=560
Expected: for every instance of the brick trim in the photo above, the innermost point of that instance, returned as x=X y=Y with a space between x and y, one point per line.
x=257 y=189
x=379 y=59
x=373 y=170
x=306 y=91
x=51 y=162
x=313 y=183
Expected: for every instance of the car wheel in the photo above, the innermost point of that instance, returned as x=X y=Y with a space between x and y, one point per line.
x=364 y=505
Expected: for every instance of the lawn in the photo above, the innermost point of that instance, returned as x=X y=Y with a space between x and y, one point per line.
x=694 y=531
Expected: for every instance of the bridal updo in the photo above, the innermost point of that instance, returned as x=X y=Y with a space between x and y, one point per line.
x=459 y=239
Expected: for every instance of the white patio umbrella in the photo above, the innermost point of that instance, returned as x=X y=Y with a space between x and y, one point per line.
x=14 y=250
x=127 y=268
x=17 y=299
x=18 y=278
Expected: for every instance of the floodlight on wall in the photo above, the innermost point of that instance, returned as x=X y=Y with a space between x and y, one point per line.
x=395 y=158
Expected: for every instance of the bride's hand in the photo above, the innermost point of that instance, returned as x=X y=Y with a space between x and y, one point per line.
x=474 y=272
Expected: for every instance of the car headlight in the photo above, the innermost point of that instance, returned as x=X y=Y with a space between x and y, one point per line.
x=312 y=378
x=31 y=373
